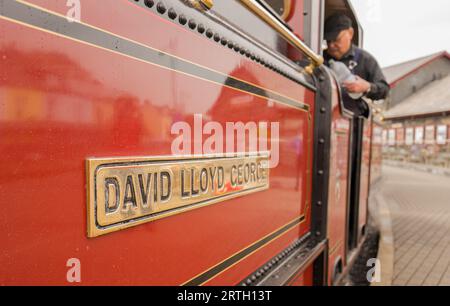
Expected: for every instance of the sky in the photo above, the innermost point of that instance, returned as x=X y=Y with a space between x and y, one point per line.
x=399 y=30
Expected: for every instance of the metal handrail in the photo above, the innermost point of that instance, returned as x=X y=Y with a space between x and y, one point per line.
x=315 y=59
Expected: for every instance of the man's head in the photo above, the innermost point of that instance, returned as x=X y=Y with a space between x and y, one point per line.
x=339 y=35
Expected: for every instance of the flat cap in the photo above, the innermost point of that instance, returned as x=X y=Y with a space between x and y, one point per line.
x=335 y=24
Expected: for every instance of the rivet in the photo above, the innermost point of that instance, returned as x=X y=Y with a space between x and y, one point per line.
x=161 y=8
x=182 y=19
x=201 y=28
x=216 y=37
x=323 y=110
x=192 y=24
x=320 y=172
x=172 y=14
x=149 y=3
x=209 y=33
x=321 y=141
x=318 y=233
x=319 y=203
x=223 y=41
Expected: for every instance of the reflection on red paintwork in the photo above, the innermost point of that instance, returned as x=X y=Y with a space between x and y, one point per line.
x=62 y=102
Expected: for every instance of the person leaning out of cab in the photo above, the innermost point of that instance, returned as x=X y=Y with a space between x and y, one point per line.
x=357 y=70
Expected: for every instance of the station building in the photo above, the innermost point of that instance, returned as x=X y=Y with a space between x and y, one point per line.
x=417 y=115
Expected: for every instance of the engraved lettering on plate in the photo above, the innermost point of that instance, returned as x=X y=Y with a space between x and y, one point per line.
x=125 y=192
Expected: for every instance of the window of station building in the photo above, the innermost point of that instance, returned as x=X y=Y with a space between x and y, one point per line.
x=391 y=137
x=430 y=134
x=281 y=7
x=378 y=135
x=384 y=137
x=441 y=135
x=419 y=135
x=448 y=134
x=409 y=136
x=400 y=136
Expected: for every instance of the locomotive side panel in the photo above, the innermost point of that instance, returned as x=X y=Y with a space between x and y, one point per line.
x=101 y=88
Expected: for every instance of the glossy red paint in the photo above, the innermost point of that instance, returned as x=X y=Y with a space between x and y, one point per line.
x=365 y=177
x=338 y=187
x=64 y=101
x=296 y=17
x=303 y=279
x=253 y=262
x=143 y=26
x=376 y=152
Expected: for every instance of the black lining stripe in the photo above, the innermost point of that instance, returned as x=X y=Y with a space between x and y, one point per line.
x=59 y=25
x=207 y=275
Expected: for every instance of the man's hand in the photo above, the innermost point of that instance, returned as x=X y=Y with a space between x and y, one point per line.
x=358 y=86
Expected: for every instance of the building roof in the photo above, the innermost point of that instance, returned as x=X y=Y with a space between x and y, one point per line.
x=397 y=72
x=433 y=98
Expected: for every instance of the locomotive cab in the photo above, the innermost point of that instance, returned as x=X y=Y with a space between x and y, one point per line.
x=359 y=159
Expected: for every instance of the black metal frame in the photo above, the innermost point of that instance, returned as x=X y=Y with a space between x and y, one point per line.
x=355 y=183
x=312 y=248
x=321 y=167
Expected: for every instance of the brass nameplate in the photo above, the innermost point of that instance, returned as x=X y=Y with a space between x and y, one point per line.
x=126 y=192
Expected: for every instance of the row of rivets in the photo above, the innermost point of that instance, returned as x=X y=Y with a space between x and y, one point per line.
x=192 y=24
x=260 y=273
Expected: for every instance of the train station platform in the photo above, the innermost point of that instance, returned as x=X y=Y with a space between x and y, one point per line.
x=412 y=209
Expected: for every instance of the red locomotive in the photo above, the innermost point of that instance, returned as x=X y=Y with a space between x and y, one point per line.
x=95 y=96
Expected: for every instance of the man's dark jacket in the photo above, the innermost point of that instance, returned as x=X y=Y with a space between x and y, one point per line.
x=364 y=65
